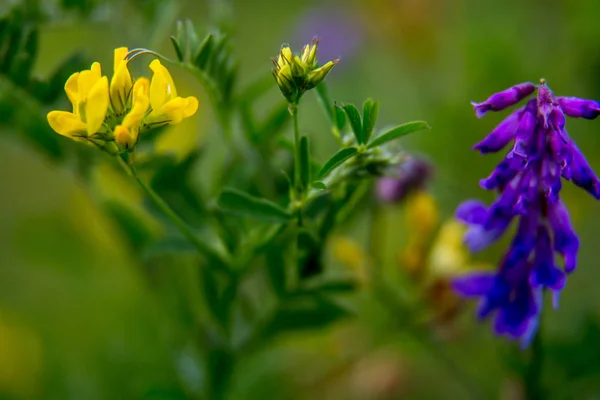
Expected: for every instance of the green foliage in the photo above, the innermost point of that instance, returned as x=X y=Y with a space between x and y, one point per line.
x=237 y=202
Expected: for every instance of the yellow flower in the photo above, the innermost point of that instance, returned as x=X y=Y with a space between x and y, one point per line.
x=167 y=106
x=112 y=116
x=120 y=84
x=295 y=75
x=126 y=134
x=88 y=92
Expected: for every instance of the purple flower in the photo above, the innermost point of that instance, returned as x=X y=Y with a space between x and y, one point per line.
x=528 y=182
x=410 y=176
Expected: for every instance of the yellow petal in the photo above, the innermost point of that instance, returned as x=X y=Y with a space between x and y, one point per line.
x=179 y=108
x=162 y=87
x=120 y=54
x=66 y=123
x=120 y=88
x=285 y=57
x=140 y=104
x=87 y=79
x=123 y=137
x=96 y=106
x=72 y=89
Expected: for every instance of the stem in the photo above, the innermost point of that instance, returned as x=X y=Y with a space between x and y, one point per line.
x=294 y=111
x=534 y=389
x=204 y=248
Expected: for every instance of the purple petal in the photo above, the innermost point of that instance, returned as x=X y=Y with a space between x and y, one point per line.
x=474 y=284
x=545 y=104
x=503 y=173
x=506 y=98
x=501 y=135
x=579 y=108
x=525 y=130
x=472 y=212
x=545 y=273
x=565 y=240
x=582 y=174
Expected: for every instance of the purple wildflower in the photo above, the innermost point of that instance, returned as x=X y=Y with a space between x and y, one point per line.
x=411 y=175
x=528 y=182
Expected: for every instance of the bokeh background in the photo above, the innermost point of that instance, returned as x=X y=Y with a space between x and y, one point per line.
x=81 y=316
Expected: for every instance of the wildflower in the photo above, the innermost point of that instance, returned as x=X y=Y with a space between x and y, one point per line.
x=88 y=92
x=297 y=74
x=106 y=114
x=528 y=181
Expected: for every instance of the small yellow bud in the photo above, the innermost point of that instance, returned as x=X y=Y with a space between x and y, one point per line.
x=123 y=137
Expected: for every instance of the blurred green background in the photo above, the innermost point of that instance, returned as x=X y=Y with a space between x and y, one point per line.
x=82 y=315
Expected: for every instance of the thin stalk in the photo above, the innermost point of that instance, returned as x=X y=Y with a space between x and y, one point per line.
x=534 y=389
x=294 y=111
x=204 y=248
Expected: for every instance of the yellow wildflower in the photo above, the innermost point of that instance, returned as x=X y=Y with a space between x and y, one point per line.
x=119 y=112
x=295 y=75
x=88 y=92
x=167 y=107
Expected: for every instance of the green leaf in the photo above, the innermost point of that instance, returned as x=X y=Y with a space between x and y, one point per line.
x=318 y=185
x=304 y=313
x=355 y=123
x=238 y=202
x=177 y=47
x=191 y=35
x=398 y=132
x=370 y=114
x=204 y=51
x=340 y=118
x=304 y=163
x=337 y=159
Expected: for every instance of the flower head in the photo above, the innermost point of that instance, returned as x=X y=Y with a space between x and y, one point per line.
x=296 y=74
x=107 y=114
x=528 y=182
x=88 y=92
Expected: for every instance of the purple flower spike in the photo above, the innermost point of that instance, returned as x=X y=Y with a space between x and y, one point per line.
x=506 y=98
x=579 y=108
x=528 y=182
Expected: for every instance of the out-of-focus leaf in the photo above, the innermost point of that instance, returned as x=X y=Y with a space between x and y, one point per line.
x=355 y=122
x=398 y=132
x=275 y=263
x=204 y=51
x=177 y=47
x=337 y=159
x=319 y=185
x=237 y=202
x=305 y=312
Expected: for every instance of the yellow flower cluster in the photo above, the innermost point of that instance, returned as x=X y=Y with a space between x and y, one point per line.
x=118 y=112
x=296 y=74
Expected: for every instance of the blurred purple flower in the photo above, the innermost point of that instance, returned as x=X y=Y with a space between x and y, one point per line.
x=410 y=176
x=339 y=32
x=528 y=181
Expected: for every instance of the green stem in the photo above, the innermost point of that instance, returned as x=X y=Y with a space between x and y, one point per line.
x=534 y=389
x=214 y=255
x=294 y=111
